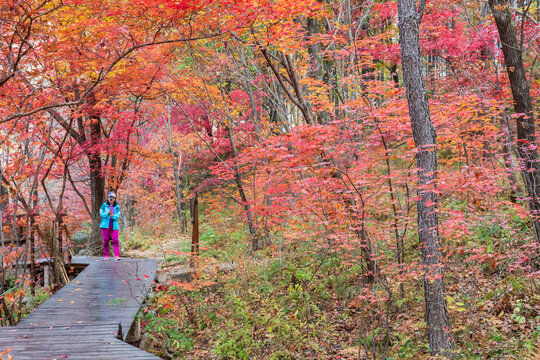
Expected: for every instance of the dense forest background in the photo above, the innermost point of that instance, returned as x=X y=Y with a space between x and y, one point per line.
x=369 y=167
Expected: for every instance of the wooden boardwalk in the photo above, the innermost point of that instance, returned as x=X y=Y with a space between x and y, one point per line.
x=88 y=318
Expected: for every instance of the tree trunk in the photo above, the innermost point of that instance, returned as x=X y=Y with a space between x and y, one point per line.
x=440 y=339
x=243 y=197
x=97 y=183
x=509 y=160
x=526 y=139
x=97 y=193
x=318 y=69
x=297 y=95
x=194 y=208
x=176 y=170
x=179 y=194
x=255 y=114
x=32 y=236
x=60 y=272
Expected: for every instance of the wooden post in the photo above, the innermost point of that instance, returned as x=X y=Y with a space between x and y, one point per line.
x=194 y=209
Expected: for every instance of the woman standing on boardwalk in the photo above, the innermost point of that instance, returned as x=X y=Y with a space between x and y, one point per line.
x=110 y=212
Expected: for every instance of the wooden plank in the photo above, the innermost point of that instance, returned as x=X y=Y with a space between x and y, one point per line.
x=104 y=291
x=87 y=316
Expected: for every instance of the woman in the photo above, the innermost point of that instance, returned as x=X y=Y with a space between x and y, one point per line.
x=110 y=212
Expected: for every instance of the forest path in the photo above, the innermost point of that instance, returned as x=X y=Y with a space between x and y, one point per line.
x=88 y=318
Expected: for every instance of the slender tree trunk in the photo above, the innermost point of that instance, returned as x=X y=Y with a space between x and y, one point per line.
x=179 y=195
x=194 y=207
x=509 y=160
x=176 y=170
x=358 y=219
x=400 y=251
x=32 y=236
x=243 y=197
x=318 y=69
x=255 y=114
x=440 y=338
x=526 y=138
x=297 y=95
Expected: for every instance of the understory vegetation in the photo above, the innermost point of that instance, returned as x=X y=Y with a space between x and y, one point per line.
x=294 y=303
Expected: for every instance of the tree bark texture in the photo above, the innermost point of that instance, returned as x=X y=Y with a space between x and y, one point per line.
x=526 y=139
x=438 y=323
x=97 y=183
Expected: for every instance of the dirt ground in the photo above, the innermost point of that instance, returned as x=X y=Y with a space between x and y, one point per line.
x=158 y=249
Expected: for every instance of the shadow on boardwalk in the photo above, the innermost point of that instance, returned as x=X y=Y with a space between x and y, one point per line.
x=88 y=318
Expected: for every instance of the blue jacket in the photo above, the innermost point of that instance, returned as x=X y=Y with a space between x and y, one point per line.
x=105 y=218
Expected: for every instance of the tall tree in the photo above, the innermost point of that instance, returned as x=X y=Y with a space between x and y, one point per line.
x=526 y=138
x=425 y=139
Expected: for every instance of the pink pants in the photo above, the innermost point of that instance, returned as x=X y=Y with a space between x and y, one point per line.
x=113 y=234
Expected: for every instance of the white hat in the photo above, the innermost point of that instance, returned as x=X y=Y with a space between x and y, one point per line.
x=111 y=193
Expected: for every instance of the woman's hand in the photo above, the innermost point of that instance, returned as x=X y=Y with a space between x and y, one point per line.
x=110 y=213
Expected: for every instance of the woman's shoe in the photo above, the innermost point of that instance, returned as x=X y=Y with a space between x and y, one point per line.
x=116 y=258
x=106 y=258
